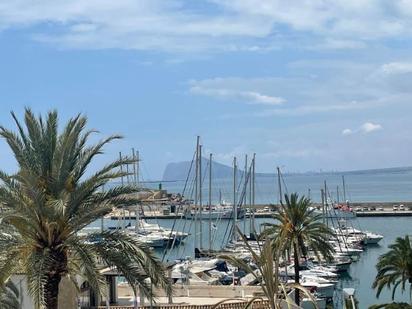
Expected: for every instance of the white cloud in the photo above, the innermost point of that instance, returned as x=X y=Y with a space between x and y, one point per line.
x=225 y=89
x=338 y=87
x=347 y=132
x=310 y=109
x=339 y=44
x=369 y=127
x=228 y=25
x=365 y=128
x=397 y=68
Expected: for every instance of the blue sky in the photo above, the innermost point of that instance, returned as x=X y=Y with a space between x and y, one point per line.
x=307 y=85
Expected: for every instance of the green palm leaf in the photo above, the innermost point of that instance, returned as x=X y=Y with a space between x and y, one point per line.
x=395 y=267
x=52 y=196
x=298 y=229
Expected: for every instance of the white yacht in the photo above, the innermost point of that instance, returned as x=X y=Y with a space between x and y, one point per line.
x=372 y=238
x=168 y=235
x=223 y=210
x=322 y=287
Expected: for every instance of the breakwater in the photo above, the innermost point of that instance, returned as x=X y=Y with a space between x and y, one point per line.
x=362 y=209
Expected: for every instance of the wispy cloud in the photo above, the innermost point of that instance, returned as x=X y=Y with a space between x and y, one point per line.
x=397 y=67
x=226 y=25
x=310 y=109
x=337 y=86
x=365 y=128
x=331 y=44
x=216 y=88
x=347 y=132
x=369 y=127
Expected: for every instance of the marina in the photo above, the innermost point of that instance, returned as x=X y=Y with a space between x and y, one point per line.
x=387 y=211
x=209 y=234
x=359 y=275
x=206 y=154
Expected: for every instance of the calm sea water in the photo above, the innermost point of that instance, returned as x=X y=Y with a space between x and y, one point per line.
x=380 y=185
x=385 y=185
x=360 y=276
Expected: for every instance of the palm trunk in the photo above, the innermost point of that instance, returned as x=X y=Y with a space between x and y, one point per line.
x=296 y=261
x=52 y=291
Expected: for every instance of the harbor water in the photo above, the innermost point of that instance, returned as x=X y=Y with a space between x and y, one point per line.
x=383 y=185
x=387 y=185
x=360 y=275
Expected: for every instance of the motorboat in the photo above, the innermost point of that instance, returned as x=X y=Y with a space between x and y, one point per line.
x=373 y=238
x=223 y=210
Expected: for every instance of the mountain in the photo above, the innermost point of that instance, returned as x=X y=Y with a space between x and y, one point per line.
x=180 y=170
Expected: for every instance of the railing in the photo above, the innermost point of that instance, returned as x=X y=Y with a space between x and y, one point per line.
x=231 y=305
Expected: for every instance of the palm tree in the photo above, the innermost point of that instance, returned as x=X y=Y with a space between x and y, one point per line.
x=54 y=195
x=298 y=229
x=395 y=267
x=266 y=274
x=9 y=296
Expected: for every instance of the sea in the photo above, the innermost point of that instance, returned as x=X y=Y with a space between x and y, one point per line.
x=379 y=185
x=386 y=185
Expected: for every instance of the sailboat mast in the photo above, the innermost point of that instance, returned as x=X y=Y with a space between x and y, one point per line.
x=200 y=199
x=344 y=188
x=246 y=176
x=326 y=202
x=137 y=168
x=234 y=199
x=136 y=226
x=210 y=201
x=134 y=166
x=122 y=182
x=250 y=198
x=322 y=196
x=253 y=193
x=196 y=189
x=279 y=185
x=337 y=194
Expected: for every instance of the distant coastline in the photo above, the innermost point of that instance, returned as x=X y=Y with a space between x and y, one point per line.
x=177 y=171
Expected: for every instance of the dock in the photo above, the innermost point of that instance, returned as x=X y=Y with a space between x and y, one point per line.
x=362 y=209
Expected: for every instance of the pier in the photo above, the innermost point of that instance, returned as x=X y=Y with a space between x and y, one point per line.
x=362 y=209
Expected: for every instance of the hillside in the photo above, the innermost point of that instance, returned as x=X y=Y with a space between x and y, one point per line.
x=179 y=170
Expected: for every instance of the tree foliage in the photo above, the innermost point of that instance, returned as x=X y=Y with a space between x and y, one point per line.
x=299 y=229
x=9 y=296
x=395 y=267
x=53 y=195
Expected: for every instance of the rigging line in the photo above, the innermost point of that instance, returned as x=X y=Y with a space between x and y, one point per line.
x=244 y=190
x=144 y=169
x=332 y=221
x=337 y=224
x=177 y=212
x=284 y=183
x=243 y=198
x=240 y=182
x=229 y=223
x=218 y=220
x=228 y=234
x=188 y=174
x=349 y=198
x=181 y=248
x=240 y=202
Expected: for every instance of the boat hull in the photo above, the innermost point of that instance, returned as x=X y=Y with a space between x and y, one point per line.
x=214 y=215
